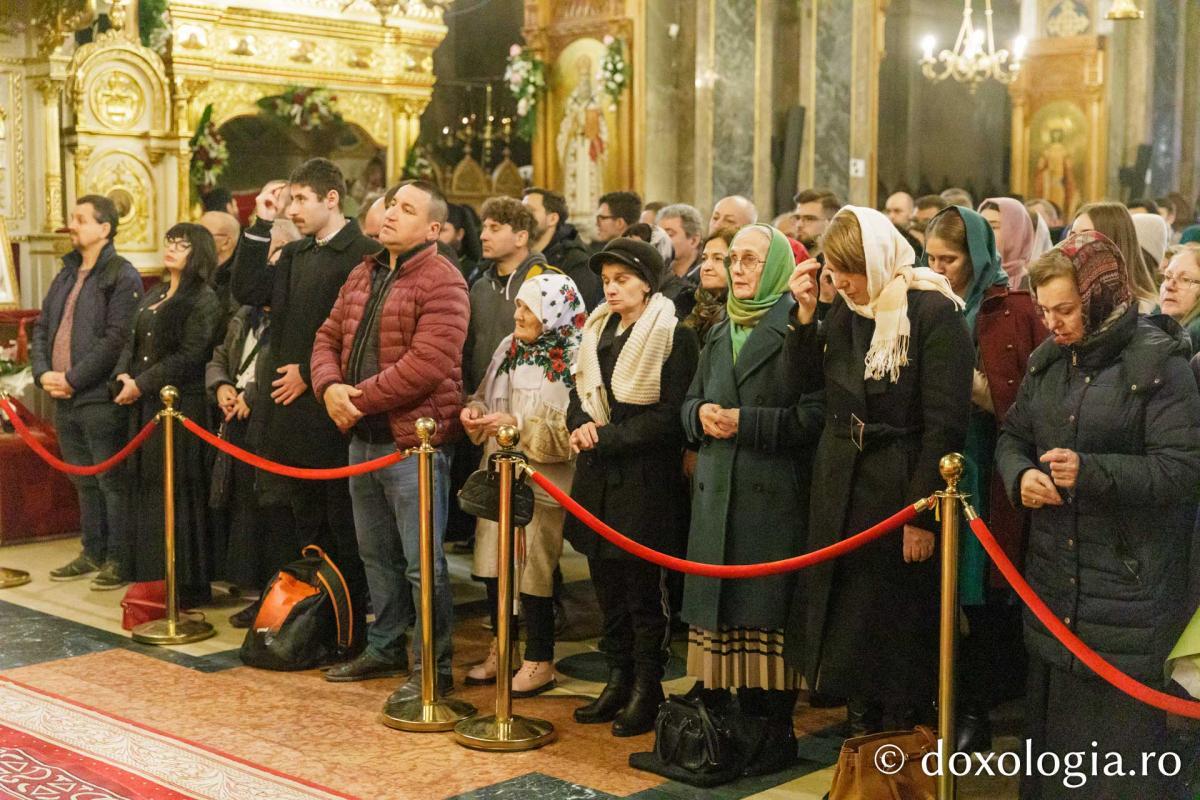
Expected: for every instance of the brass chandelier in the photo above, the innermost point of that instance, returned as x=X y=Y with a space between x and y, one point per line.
x=974 y=58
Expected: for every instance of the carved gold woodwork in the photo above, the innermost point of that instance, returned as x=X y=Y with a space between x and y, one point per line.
x=12 y=145
x=123 y=178
x=117 y=99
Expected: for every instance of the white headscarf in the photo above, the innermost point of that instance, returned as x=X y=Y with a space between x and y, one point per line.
x=1153 y=234
x=1041 y=240
x=890 y=275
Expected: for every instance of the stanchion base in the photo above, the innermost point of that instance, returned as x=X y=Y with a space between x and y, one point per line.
x=13 y=577
x=520 y=733
x=159 y=632
x=414 y=715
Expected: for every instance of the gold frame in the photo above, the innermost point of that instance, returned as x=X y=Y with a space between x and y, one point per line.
x=8 y=270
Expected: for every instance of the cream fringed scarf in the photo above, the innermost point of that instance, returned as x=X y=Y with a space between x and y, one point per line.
x=890 y=275
x=637 y=376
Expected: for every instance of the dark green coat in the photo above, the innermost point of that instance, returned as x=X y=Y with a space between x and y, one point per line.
x=749 y=493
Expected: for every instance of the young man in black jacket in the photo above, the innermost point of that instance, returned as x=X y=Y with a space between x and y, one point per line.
x=76 y=342
x=301 y=289
x=559 y=242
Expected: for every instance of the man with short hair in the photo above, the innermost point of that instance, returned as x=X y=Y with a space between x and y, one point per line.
x=734 y=212
x=559 y=242
x=1143 y=205
x=684 y=227
x=389 y=353
x=928 y=206
x=650 y=212
x=220 y=199
x=788 y=224
x=614 y=214
x=508 y=228
x=370 y=219
x=225 y=231
x=85 y=320
x=814 y=209
x=957 y=196
x=300 y=289
x=899 y=209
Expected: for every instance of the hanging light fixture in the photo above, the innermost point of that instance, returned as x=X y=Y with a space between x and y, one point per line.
x=1124 y=10
x=974 y=58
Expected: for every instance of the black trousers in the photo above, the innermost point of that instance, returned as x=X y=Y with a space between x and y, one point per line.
x=636 y=608
x=991 y=657
x=324 y=516
x=539 y=620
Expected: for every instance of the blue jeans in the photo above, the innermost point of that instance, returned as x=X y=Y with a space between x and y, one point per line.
x=387 y=522
x=88 y=434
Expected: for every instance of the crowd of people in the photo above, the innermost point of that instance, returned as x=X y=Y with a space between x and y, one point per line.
x=735 y=392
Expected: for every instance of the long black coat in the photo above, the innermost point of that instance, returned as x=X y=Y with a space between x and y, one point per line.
x=749 y=493
x=633 y=479
x=300 y=289
x=1113 y=563
x=866 y=625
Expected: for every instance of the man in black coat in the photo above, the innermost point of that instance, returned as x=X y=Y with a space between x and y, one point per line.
x=301 y=289
x=76 y=342
x=559 y=242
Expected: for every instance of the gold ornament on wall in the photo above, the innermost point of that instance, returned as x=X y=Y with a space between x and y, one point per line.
x=121 y=177
x=117 y=99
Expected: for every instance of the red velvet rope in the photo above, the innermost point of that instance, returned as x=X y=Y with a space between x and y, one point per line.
x=1126 y=684
x=898 y=519
x=303 y=473
x=74 y=469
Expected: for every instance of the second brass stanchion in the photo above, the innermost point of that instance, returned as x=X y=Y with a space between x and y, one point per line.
x=503 y=730
x=951 y=467
x=429 y=712
x=171 y=630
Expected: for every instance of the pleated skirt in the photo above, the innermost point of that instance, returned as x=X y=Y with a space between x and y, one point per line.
x=740 y=658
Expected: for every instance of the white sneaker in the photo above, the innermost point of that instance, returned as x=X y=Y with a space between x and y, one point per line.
x=533 y=678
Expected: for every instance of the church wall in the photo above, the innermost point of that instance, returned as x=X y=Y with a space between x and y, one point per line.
x=734 y=93
x=670 y=100
x=831 y=107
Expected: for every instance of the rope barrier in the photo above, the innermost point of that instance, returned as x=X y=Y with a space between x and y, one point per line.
x=1094 y=661
x=900 y=518
x=74 y=469
x=303 y=473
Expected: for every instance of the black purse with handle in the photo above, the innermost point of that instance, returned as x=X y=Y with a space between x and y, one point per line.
x=480 y=495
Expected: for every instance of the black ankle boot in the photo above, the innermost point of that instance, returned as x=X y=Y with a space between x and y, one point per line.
x=611 y=700
x=974 y=731
x=638 y=715
x=863 y=718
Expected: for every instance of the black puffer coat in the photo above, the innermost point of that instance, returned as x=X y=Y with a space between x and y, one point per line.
x=1112 y=562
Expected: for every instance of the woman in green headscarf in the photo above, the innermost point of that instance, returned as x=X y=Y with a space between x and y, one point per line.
x=756 y=433
x=1005 y=327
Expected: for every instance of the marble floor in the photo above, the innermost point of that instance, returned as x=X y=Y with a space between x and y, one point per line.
x=64 y=638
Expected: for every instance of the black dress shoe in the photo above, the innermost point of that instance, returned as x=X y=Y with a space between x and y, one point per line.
x=639 y=714
x=364 y=668
x=974 y=732
x=612 y=699
x=863 y=718
x=245 y=617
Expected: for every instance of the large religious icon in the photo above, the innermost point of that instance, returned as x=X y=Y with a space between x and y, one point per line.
x=583 y=126
x=1058 y=146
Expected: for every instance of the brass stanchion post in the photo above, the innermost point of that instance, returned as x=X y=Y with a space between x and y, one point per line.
x=9 y=577
x=503 y=731
x=427 y=712
x=171 y=630
x=951 y=467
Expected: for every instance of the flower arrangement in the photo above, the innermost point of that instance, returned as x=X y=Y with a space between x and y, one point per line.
x=209 y=154
x=526 y=78
x=613 y=74
x=9 y=365
x=307 y=108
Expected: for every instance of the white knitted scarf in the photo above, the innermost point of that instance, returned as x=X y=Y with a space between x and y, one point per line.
x=890 y=274
x=637 y=375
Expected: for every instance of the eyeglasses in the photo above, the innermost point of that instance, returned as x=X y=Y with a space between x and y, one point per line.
x=178 y=245
x=1175 y=277
x=748 y=262
x=602 y=217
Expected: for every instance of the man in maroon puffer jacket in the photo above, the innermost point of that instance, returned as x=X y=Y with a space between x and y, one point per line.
x=390 y=353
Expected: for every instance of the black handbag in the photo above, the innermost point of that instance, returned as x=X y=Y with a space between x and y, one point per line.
x=705 y=738
x=480 y=495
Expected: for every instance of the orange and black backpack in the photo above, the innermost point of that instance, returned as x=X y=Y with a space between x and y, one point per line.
x=305 y=618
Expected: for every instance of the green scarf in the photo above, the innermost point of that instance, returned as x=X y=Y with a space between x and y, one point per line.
x=984 y=258
x=745 y=314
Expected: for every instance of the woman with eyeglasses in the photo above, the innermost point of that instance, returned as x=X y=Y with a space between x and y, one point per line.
x=1103 y=447
x=756 y=432
x=896 y=361
x=714 y=284
x=1179 y=294
x=172 y=338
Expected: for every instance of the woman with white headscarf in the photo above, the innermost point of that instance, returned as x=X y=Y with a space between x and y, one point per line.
x=896 y=361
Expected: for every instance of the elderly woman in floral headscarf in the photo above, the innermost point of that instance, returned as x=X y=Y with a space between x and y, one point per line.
x=756 y=432
x=896 y=361
x=528 y=385
x=1103 y=446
